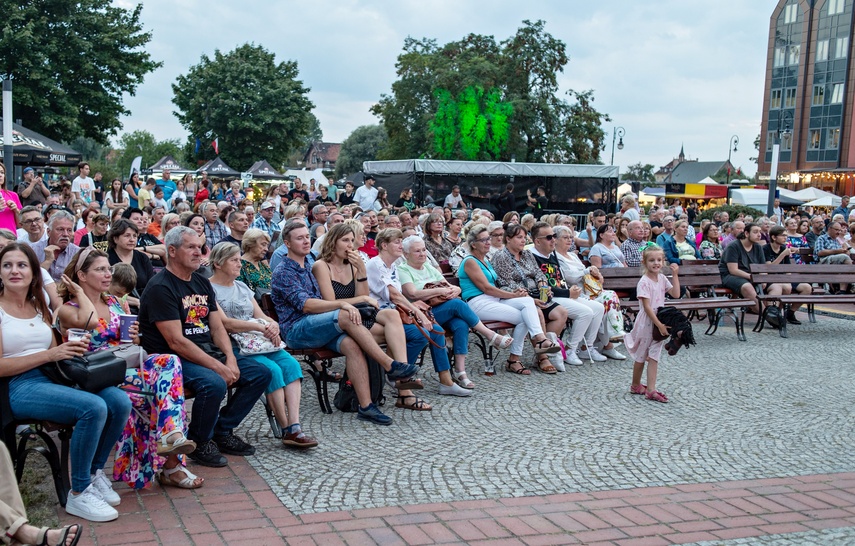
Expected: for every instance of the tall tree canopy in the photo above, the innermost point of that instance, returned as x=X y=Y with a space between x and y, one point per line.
x=479 y=99
x=72 y=62
x=363 y=144
x=143 y=143
x=256 y=107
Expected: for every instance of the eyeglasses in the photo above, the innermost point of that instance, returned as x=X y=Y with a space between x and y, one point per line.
x=483 y=240
x=547 y=237
x=497 y=234
x=31 y=221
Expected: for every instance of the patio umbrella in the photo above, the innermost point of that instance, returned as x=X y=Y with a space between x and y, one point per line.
x=826 y=201
x=810 y=194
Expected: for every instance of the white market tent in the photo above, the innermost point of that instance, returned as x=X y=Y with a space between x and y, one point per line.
x=758 y=199
x=826 y=201
x=811 y=194
x=709 y=181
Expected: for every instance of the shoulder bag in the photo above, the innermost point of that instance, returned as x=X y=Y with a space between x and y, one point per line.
x=436 y=300
x=253 y=343
x=92 y=372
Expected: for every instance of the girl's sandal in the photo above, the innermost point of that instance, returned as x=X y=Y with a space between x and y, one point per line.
x=517 y=367
x=638 y=389
x=657 y=396
x=501 y=342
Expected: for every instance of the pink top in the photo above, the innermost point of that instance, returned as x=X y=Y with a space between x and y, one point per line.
x=7 y=217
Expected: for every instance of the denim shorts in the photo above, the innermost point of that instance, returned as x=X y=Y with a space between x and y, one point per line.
x=315 y=331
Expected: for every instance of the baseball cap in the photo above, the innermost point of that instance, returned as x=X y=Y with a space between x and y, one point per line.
x=268 y=205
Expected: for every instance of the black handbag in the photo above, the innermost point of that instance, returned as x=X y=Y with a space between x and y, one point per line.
x=93 y=371
x=368 y=314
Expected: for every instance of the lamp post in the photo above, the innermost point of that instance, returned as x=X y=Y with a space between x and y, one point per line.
x=776 y=151
x=734 y=142
x=617 y=132
x=8 y=150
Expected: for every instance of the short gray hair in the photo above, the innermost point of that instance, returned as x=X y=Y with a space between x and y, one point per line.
x=410 y=241
x=221 y=252
x=560 y=229
x=252 y=237
x=494 y=225
x=60 y=215
x=175 y=236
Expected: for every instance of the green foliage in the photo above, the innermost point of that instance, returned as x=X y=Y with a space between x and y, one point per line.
x=143 y=143
x=435 y=108
x=255 y=106
x=90 y=148
x=640 y=173
x=732 y=210
x=363 y=144
x=475 y=126
x=72 y=64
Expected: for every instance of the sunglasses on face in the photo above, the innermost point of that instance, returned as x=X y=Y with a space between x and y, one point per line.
x=547 y=237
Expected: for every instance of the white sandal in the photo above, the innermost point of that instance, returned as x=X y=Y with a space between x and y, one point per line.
x=461 y=379
x=501 y=342
x=180 y=446
x=188 y=482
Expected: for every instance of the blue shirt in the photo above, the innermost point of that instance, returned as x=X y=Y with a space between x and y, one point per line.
x=824 y=242
x=278 y=255
x=169 y=188
x=468 y=290
x=292 y=285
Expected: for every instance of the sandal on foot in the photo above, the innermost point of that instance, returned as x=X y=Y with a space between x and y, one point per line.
x=325 y=373
x=657 y=396
x=638 y=389
x=411 y=384
x=545 y=366
x=179 y=446
x=501 y=342
x=545 y=346
x=416 y=405
x=463 y=380
x=517 y=367
x=167 y=477
x=62 y=537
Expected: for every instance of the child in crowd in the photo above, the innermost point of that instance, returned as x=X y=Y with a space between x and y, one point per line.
x=640 y=343
x=123 y=284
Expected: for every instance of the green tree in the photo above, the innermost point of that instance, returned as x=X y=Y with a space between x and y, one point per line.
x=72 y=64
x=542 y=125
x=143 y=143
x=256 y=107
x=640 y=173
x=475 y=126
x=363 y=144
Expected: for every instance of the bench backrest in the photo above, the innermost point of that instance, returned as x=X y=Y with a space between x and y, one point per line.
x=814 y=273
x=697 y=274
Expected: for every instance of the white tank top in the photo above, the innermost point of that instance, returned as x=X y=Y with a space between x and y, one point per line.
x=22 y=337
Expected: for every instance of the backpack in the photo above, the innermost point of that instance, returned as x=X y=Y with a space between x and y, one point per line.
x=345 y=399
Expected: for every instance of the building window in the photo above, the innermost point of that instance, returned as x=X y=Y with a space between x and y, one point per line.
x=832 y=138
x=841 y=48
x=837 y=94
x=794 y=54
x=835 y=7
x=787 y=141
x=821 y=50
x=790 y=13
x=790 y=98
x=775 y=103
x=780 y=56
x=770 y=140
x=813 y=141
x=818 y=95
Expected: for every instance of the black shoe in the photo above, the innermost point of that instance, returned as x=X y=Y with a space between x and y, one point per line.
x=791 y=318
x=208 y=454
x=233 y=445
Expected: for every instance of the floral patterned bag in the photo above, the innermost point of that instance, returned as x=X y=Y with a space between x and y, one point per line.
x=253 y=343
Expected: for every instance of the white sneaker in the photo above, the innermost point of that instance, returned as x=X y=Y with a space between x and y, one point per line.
x=90 y=506
x=572 y=359
x=592 y=354
x=613 y=354
x=105 y=488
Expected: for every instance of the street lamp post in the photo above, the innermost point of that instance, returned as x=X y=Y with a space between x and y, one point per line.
x=617 y=132
x=776 y=151
x=734 y=142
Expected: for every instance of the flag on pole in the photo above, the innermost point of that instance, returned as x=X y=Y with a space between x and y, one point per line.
x=198 y=145
x=216 y=144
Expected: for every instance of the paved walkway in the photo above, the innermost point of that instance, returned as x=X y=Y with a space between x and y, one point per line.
x=757 y=442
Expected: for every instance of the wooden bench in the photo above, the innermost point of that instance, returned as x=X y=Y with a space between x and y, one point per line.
x=819 y=274
x=705 y=280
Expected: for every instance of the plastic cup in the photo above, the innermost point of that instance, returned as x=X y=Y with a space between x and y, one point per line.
x=125 y=322
x=76 y=334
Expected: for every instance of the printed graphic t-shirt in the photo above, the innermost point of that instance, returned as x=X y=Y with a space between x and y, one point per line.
x=166 y=297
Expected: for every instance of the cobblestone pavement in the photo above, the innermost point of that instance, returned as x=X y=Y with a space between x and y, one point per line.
x=739 y=410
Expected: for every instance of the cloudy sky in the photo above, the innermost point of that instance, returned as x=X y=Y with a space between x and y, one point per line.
x=670 y=72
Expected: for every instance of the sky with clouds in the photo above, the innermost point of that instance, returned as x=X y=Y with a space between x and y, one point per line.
x=670 y=72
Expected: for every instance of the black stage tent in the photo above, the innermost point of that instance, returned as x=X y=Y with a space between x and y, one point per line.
x=217 y=168
x=31 y=148
x=168 y=162
x=261 y=170
x=576 y=189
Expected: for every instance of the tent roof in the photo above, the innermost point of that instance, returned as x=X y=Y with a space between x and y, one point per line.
x=708 y=181
x=31 y=148
x=168 y=162
x=217 y=168
x=755 y=198
x=694 y=171
x=825 y=201
x=810 y=194
x=262 y=169
x=490 y=168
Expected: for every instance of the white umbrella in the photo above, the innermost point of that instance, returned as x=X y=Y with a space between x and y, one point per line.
x=827 y=201
x=810 y=194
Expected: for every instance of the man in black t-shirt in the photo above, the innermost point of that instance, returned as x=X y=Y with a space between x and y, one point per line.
x=179 y=315
x=298 y=191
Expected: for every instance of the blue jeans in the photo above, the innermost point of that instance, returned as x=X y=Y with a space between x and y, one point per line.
x=416 y=341
x=315 y=331
x=98 y=419
x=283 y=367
x=456 y=316
x=209 y=388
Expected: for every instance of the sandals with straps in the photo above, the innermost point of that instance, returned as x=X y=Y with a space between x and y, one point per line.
x=165 y=477
x=656 y=396
x=463 y=380
x=549 y=349
x=78 y=532
x=416 y=405
x=517 y=367
x=179 y=446
x=638 y=389
x=545 y=366
x=501 y=342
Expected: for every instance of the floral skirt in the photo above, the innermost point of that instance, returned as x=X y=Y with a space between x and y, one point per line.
x=153 y=416
x=613 y=318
